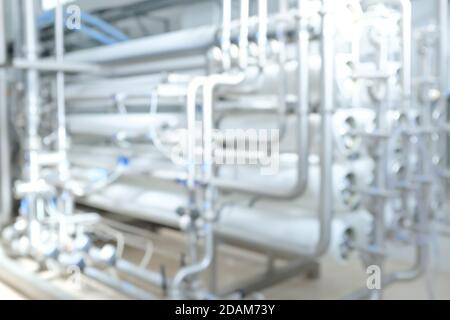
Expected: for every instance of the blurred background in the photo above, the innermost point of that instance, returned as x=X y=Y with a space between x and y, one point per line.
x=224 y=149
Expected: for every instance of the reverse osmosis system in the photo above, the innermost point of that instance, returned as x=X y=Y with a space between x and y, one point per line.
x=293 y=129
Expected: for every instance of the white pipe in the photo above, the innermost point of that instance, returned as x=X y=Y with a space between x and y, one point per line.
x=243 y=34
x=119 y=285
x=191 y=108
x=326 y=112
x=54 y=66
x=302 y=126
x=209 y=213
x=208 y=101
x=33 y=145
x=444 y=85
x=262 y=32
x=27 y=283
x=406 y=51
x=226 y=34
x=5 y=154
x=60 y=92
x=169 y=43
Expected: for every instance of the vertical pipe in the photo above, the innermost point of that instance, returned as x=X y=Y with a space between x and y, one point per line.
x=443 y=68
x=5 y=165
x=196 y=268
x=32 y=100
x=262 y=32
x=380 y=175
x=32 y=83
x=283 y=80
x=119 y=285
x=406 y=51
x=65 y=201
x=443 y=51
x=208 y=208
x=226 y=34
x=60 y=90
x=302 y=124
x=208 y=97
x=191 y=106
x=243 y=34
x=302 y=101
x=326 y=113
x=3 y=49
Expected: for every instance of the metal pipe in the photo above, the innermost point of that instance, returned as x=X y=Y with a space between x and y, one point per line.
x=268 y=279
x=283 y=80
x=60 y=92
x=423 y=193
x=406 y=46
x=198 y=267
x=380 y=184
x=382 y=121
x=411 y=274
x=443 y=53
x=262 y=32
x=121 y=286
x=209 y=215
x=208 y=100
x=32 y=101
x=302 y=127
x=443 y=85
x=27 y=283
x=165 y=44
x=5 y=153
x=3 y=45
x=326 y=113
x=172 y=43
x=55 y=66
x=226 y=34
x=191 y=108
x=243 y=34
x=129 y=268
x=406 y=50
x=326 y=198
x=65 y=202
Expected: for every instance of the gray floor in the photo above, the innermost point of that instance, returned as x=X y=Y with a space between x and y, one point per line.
x=235 y=266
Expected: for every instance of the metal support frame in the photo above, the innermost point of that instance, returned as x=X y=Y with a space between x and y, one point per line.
x=268 y=279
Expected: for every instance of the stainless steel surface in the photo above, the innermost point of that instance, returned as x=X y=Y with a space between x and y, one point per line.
x=297 y=130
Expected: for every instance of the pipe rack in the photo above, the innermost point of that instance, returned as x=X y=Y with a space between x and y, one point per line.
x=358 y=181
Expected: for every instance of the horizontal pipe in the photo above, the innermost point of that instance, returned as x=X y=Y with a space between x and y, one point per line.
x=15 y=276
x=122 y=286
x=164 y=44
x=264 y=281
x=302 y=126
x=55 y=66
x=176 y=42
x=148 y=276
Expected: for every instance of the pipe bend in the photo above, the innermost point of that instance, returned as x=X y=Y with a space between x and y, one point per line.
x=209 y=84
x=202 y=265
x=302 y=130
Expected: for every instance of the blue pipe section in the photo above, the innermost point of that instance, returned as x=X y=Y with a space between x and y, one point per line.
x=104 y=26
x=98 y=36
x=109 y=36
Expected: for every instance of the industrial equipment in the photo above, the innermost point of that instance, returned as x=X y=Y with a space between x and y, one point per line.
x=292 y=129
